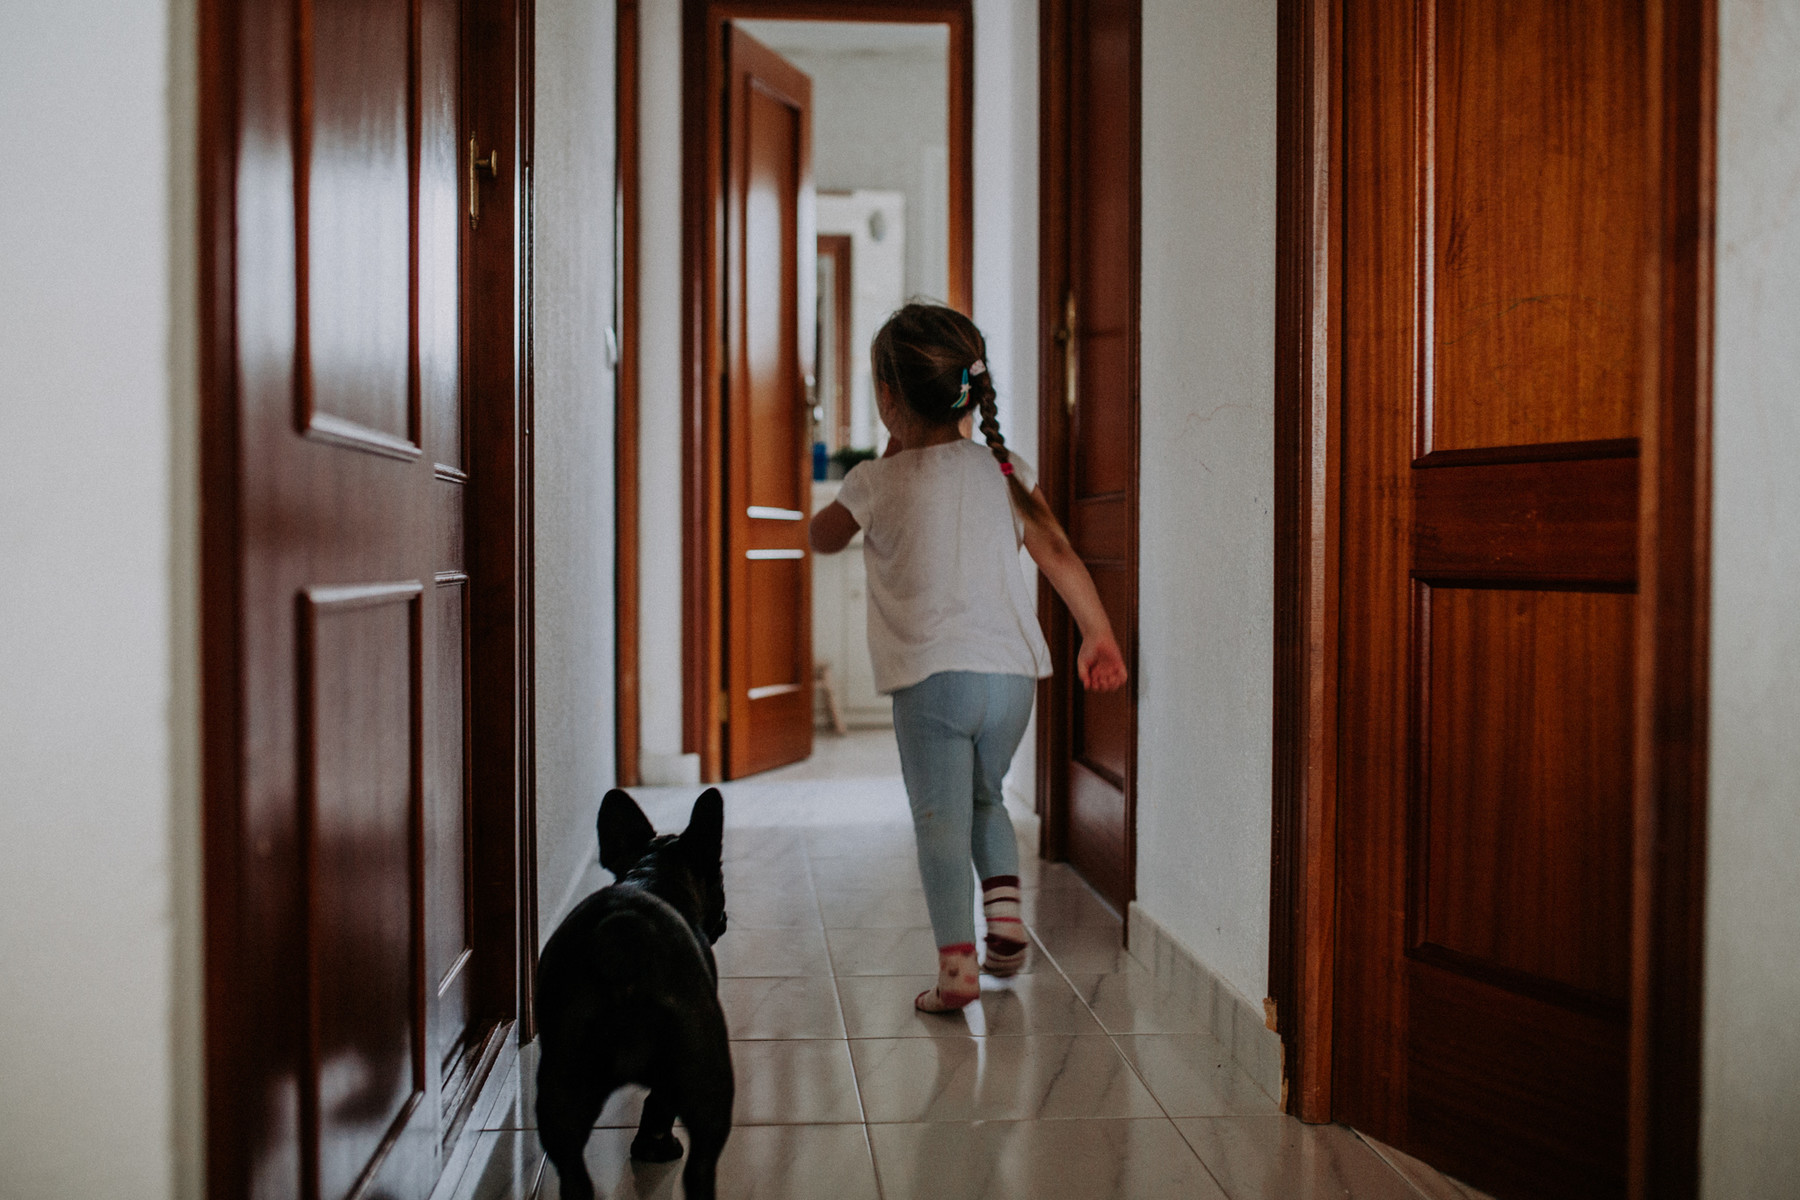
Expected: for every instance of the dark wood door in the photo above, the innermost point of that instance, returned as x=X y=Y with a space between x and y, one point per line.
x=1500 y=337
x=348 y=1019
x=1089 y=421
x=768 y=454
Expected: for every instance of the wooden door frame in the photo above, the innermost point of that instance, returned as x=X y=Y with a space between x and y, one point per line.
x=627 y=583
x=497 y=89
x=703 y=207
x=1669 y=800
x=1055 y=699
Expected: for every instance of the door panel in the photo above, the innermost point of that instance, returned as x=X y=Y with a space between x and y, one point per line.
x=358 y=223
x=1089 y=420
x=1498 y=320
x=768 y=485
x=350 y=826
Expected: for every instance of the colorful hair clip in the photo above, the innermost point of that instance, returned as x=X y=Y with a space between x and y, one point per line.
x=962 y=397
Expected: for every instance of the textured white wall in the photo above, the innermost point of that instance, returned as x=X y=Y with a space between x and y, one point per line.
x=1006 y=246
x=659 y=385
x=573 y=437
x=1751 y=1094
x=1207 y=532
x=99 y=808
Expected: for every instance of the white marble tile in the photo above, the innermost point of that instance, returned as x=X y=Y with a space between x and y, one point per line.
x=1427 y=1180
x=764 y=843
x=764 y=906
x=1142 y=1159
x=505 y=1165
x=863 y=842
x=773 y=874
x=758 y=1009
x=1278 y=1158
x=772 y=952
x=1048 y=907
x=1040 y=1077
x=851 y=874
x=1194 y=1076
x=1132 y=1001
x=881 y=1006
x=882 y=951
x=874 y=908
x=794 y=1083
x=1086 y=949
x=790 y=1162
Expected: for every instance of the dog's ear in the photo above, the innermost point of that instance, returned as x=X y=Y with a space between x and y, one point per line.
x=704 y=838
x=624 y=832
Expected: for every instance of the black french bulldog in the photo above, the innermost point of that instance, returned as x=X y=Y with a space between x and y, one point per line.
x=628 y=993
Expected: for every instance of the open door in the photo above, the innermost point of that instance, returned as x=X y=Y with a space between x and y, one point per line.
x=769 y=284
x=361 y=476
x=1088 y=422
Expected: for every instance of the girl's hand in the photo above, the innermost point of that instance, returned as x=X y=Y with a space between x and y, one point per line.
x=1100 y=665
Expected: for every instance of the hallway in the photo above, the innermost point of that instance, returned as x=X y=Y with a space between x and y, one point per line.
x=1074 y=1079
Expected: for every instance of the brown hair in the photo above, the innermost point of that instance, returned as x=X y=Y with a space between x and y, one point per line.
x=923 y=355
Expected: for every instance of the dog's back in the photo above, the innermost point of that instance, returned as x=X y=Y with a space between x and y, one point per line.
x=619 y=980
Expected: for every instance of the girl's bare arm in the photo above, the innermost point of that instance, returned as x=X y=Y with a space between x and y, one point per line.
x=832 y=528
x=1100 y=664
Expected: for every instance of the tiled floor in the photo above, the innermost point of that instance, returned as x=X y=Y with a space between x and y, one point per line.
x=1074 y=1079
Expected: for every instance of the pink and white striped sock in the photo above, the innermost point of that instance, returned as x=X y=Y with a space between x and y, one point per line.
x=1006 y=939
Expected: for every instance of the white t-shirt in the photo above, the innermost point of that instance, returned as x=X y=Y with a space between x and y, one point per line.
x=941 y=542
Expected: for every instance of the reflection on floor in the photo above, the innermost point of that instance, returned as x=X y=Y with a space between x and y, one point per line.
x=1074 y=1079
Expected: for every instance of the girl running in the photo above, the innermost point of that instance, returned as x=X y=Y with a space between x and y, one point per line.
x=953 y=631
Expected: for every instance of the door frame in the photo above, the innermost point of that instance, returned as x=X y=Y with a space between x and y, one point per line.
x=1669 y=789
x=703 y=207
x=1056 y=694
x=497 y=86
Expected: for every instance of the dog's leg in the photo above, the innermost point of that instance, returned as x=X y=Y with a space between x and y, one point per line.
x=655 y=1141
x=567 y=1109
x=708 y=1125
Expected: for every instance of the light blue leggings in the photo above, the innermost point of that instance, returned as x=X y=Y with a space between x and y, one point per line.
x=957 y=732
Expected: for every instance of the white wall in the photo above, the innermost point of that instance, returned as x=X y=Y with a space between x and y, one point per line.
x=573 y=437
x=1207 y=532
x=1006 y=248
x=99 y=810
x=1751 y=1091
x=659 y=390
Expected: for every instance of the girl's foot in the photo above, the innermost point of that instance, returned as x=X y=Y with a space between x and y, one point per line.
x=1006 y=942
x=958 y=982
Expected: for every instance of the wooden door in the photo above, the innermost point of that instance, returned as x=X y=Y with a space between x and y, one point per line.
x=1089 y=420
x=358 y=974
x=768 y=451
x=1500 y=339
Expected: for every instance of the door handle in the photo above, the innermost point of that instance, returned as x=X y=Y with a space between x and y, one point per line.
x=1071 y=353
x=490 y=164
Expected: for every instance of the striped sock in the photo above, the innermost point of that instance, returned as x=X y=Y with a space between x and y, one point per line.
x=1006 y=940
x=958 y=981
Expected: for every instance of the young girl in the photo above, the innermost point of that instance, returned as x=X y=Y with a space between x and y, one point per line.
x=953 y=632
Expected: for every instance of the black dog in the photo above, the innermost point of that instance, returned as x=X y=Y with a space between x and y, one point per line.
x=628 y=993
